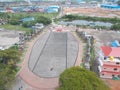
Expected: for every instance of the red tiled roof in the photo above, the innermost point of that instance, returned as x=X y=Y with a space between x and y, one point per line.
x=115 y=52
x=106 y=50
x=111 y=51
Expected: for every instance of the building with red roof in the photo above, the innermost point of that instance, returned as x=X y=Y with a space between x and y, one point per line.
x=109 y=62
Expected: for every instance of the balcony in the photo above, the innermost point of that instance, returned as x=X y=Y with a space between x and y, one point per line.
x=112 y=60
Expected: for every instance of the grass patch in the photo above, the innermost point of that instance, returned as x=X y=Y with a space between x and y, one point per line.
x=84 y=45
x=82 y=65
x=17 y=68
x=92 y=54
x=8 y=26
x=17 y=28
x=14 y=27
x=35 y=14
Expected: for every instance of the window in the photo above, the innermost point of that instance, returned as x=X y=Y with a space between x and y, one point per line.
x=115 y=68
x=117 y=63
x=105 y=58
x=113 y=75
x=102 y=74
x=104 y=68
x=119 y=76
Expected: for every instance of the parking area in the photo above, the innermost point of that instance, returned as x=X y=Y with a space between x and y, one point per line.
x=53 y=53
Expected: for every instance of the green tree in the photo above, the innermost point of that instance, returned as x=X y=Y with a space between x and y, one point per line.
x=115 y=27
x=7 y=76
x=44 y=20
x=8 y=55
x=77 y=78
x=28 y=24
x=4 y=15
x=14 y=22
x=8 y=59
x=89 y=18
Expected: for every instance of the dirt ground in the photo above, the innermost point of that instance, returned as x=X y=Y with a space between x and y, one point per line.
x=114 y=85
x=92 y=11
x=104 y=36
x=8 y=38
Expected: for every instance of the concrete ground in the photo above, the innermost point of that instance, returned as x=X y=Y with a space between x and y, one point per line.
x=19 y=84
x=53 y=53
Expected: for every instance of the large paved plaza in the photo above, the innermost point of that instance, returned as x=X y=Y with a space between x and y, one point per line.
x=53 y=53
x=47 y=57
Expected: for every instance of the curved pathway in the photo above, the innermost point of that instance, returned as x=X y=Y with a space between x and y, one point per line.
x=32 y=79
x=35 y=81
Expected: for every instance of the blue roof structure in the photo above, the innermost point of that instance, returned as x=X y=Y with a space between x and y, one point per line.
x=115 y=43
x=110 y=6
x=27 y=19
x=52 y=9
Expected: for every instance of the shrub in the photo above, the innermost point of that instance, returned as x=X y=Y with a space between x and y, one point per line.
x=44 y=20
x=14 y=22
x=28 y=23
x=116 y=27
x=77 y=78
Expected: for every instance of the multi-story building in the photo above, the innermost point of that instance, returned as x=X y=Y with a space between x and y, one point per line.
x=109 y=62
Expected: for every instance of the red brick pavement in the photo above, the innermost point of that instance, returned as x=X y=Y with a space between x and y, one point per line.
x=79 y=57
x=32 y=79
x=36 y=82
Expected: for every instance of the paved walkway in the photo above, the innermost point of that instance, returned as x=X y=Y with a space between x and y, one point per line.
x=35 y=81
x=79 y=58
